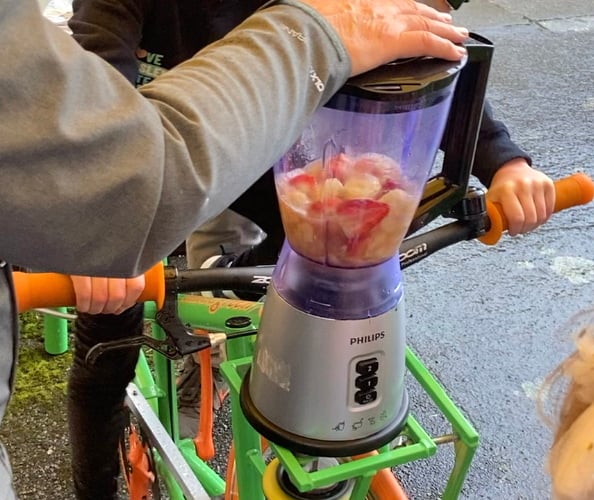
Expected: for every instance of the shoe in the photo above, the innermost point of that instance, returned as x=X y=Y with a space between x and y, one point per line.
x=188 y=394
x=228 y=260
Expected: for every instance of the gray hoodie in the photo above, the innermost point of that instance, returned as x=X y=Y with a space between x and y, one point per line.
x=97 y=178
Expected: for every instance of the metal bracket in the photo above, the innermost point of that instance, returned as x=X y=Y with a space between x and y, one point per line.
x=179 y=340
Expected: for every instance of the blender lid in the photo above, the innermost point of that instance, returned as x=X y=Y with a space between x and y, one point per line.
x=410 y=84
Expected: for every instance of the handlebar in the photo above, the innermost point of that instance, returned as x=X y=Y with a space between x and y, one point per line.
x=35 y=290
x=571 y=191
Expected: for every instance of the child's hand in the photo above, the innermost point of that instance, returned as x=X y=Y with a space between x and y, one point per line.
x=106 y=295
x=526 y=195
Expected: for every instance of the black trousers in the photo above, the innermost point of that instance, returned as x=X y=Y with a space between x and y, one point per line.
x=95 y=401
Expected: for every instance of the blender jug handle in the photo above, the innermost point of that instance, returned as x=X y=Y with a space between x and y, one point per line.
x=446 y=189
x=466 y=112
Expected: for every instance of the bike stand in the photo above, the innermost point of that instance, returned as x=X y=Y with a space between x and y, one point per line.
x=414 y=443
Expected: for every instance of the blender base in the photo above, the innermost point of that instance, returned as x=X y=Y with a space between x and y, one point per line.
x=318 y=447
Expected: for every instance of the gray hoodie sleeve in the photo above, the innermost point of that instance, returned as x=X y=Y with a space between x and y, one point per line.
x=97 y=178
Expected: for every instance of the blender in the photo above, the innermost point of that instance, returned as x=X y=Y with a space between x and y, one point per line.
x=327 y=376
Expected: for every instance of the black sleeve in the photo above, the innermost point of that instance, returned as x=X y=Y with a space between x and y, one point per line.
x=494 y=148
x=112 y=29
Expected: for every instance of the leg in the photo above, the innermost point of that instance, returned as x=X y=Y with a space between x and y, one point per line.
x=227 y=233
x=260 y=205
x=95 y=401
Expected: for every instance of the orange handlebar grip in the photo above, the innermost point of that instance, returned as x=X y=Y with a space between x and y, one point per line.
x=577 y=189
x=570 y=191
x=35 y=290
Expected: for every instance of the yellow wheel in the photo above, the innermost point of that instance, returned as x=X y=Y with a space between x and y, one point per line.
x=384 y=485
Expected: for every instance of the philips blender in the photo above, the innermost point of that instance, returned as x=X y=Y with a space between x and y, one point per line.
x=327 y=377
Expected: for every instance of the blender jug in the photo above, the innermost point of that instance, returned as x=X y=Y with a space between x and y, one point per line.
x=327 y=376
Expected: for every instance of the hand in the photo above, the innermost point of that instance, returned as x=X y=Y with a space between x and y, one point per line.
x=526 y=195
x=375 y=32
x=106 y=295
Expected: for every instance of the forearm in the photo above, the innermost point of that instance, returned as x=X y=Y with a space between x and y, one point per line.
x=106 y=175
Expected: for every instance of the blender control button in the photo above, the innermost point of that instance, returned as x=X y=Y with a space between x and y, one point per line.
x=365 y=397
x=366 y=383
x=367 y=366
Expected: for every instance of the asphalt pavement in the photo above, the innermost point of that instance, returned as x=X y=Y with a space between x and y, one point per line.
x=488 y=321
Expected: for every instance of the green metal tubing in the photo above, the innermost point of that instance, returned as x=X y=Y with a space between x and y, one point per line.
x=459 y=423
x=173 y=489
x=246 y=440
x=55 y=333
x=306 y=481
x=423 y=446
x=361 y=487
x=165 y=379
x=463 y=458
x=145 y=382
x=469 y=438
x=212 y=482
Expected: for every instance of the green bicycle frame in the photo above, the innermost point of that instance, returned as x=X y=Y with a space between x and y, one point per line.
x=214 y=316
x=156 y=382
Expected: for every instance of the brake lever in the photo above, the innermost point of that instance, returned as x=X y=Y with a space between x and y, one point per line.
x=179 y=340
x=165 y=347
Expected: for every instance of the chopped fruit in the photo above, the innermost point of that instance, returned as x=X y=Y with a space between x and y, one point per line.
x=339 y=166
x=362 y=186
x=303 y=181
x=380 y=166
x=357 y=217
x=327 y=206
x=349 y=212
x=332 y=188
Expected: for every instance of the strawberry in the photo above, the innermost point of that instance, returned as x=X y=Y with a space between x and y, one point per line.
x=390 y=184
x=302 y=181
x=326 y=206
x=357 y=217
x=338 y=166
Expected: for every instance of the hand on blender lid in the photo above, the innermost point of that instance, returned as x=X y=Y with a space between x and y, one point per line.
x=375 y=32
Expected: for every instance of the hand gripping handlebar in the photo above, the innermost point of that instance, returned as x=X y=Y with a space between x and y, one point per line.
x=571 y=191
x=35 y=290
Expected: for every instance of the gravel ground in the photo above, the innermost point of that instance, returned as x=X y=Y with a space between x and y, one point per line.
x=35 y=427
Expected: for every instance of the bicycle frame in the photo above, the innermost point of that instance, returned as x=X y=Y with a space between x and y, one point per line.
x=214 y=314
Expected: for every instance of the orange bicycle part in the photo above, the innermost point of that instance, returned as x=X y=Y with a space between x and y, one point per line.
x=204 y=441
x=35 y=290
x=384 y=485
x=576 y=189
x=139 y=477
